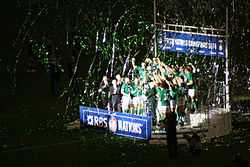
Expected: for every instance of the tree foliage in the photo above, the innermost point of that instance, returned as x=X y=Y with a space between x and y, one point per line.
x=95 y=26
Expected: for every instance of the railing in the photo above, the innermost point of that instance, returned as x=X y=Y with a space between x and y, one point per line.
x=191 y=29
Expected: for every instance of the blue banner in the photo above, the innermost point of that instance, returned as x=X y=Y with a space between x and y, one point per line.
x=122 y=124
x=202 y=44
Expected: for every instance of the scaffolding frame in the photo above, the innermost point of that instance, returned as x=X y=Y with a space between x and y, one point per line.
x=208 y=31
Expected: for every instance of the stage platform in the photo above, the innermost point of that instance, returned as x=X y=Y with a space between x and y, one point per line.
x=216 y=122
x=208 y=126
x=159 y=135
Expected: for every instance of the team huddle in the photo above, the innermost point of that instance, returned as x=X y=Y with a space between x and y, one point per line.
x=151 y=88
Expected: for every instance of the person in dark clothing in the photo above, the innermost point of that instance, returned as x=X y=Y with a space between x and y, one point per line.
x=115 y=99
x=119 y=82
x=194 y=142
x=104 y=94
x=170 y=127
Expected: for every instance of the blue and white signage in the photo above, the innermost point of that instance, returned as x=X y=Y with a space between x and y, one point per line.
x=184 y=42
x=122 y=124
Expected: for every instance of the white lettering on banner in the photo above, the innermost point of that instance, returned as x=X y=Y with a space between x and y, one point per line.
x=130 y=126
x=90 y=120
x=97 y=121
x=120 y=125
x=190 y=43
x=103 y=122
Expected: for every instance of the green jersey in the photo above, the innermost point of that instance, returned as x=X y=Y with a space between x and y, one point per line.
x=126 y=89
x=180 y=91
x=189 y=77
x=135 y=90
x=164 y=73
x=181 y=74
x=173 y=92
x=142 y=73
x=162 y=93
x=135 y=72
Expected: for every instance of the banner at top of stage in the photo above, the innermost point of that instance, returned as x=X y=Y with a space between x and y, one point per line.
x=185 y=42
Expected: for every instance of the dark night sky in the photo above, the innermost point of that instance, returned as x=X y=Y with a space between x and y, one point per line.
x=9 y=15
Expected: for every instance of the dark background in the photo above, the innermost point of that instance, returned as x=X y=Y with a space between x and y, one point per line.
x=29 y=131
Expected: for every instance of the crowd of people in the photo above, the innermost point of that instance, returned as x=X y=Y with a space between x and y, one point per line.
x=151 y=88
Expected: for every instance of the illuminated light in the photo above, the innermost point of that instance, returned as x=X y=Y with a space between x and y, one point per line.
x=179 y=49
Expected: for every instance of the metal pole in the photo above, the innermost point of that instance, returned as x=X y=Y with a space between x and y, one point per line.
x=155 y=39
x=227 y=66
